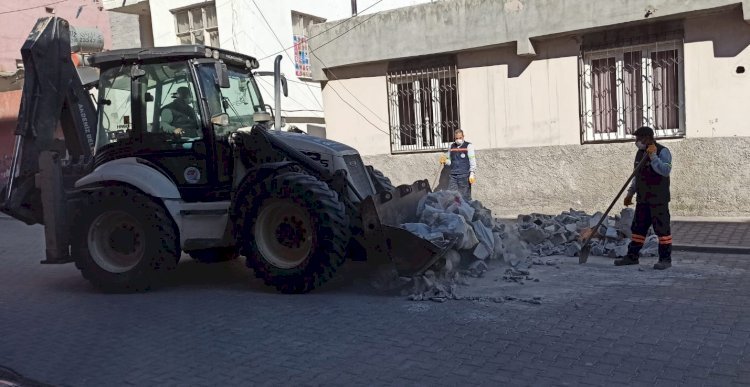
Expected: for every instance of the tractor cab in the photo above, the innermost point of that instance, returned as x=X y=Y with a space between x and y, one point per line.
x=174 y=107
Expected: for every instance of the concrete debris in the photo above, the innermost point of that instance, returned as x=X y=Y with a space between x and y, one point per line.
x=472 y=236
x=559 y=235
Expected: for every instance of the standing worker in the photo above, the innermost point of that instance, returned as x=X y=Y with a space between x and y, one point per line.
x=651 y=187
x=463 y=165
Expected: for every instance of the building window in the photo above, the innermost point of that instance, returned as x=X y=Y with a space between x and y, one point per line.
x=197 y=25
x=423 y=108
x=628 y=87
x=300 y=29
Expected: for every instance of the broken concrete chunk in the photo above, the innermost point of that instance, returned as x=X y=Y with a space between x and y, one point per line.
x=595 y=219
x=611 y=233
x=481 y=252
x=572 y=249
x=571 y=227
x=531 y=233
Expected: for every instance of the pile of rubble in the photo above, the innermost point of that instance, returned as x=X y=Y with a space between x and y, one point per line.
x=473 y=237
x=560 y=235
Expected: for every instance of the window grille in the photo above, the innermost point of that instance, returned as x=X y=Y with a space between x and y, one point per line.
x=624 y=88
x=423 y=108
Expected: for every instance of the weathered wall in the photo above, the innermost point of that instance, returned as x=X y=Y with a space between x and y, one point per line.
x=125 y=30
x=716 y=96
x=710 y=177
x=15 y=26
x=510 y=101
x=457 y=25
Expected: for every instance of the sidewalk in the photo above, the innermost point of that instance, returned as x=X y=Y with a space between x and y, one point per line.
x=711 y=236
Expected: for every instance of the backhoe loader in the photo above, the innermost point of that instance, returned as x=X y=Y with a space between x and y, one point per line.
x=125 y=178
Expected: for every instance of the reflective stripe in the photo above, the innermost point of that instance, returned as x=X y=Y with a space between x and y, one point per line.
x=665 y=240
x=459 y=150
x=638 y=237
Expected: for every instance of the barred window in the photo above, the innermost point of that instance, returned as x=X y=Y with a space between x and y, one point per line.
x=625 y=88
x=197 y=25
x=423 y=108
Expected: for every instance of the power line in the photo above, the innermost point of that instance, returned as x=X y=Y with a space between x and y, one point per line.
x=357 y=111
x=38 y=6
x=282 y=46
x=326 y=30
x=349 y=91
x=345 y=32
x=293 y=100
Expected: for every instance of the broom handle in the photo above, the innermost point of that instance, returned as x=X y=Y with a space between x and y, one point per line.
x=627 y=182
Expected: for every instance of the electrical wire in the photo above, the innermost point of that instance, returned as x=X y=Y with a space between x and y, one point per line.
x=327 y=29
x=292 y=99
x=349 y=91
x=34 y=7
x=282 y=46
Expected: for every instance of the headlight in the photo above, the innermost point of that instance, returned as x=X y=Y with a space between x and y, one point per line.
x=209 y=52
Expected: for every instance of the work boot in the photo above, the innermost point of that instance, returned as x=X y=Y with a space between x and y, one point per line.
x=661 y=265
x=629 y=259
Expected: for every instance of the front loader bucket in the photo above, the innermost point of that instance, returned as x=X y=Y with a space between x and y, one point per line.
x=382 y=216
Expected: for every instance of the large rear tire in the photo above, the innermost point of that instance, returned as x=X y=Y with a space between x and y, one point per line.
x=127 y=239
x=379 y=180
x=294 y=232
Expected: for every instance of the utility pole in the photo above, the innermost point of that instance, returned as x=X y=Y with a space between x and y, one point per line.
x=354 y=7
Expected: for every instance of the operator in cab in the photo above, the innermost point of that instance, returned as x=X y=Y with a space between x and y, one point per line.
x=178 y=117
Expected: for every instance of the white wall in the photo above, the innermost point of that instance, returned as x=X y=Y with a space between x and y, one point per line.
x=716 y=97
x=242 y=29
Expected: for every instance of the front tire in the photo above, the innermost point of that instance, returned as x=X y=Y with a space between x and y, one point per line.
x=380 y=181
x=295 y=231
x=127 y=240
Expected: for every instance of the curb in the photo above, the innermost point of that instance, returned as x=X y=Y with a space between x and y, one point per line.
x=713 y=249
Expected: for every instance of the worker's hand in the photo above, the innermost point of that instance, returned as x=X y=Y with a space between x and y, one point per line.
x=443 y=159
x=628 y=200
x=178 y=131
x=651 y=150
x=472 y=178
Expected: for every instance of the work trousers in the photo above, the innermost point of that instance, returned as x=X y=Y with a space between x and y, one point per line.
x=656 y=215
x=461 y=184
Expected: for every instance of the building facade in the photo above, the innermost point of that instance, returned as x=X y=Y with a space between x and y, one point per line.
x=549 y=92
x=16 y=21
x=261 y=28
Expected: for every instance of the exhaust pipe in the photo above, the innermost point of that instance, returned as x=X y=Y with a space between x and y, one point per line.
x=277 y=91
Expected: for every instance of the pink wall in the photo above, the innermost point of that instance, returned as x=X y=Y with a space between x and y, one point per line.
x=15 y=26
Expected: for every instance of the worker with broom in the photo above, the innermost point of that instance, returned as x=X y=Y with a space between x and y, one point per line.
x=463 y=165
x=651 y=189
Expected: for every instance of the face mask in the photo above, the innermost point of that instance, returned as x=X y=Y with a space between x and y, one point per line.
x=459 y=142
x=640 y=145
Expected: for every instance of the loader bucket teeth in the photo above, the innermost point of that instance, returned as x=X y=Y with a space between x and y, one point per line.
x=382 y=217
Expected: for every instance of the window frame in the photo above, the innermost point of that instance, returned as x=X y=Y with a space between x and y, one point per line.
x=588 y=135
x=205 y=29
x=416 y=78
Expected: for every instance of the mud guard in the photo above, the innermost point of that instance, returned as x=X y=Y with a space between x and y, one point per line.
x=382 y=216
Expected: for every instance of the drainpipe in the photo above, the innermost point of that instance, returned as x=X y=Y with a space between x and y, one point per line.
x=354 y=7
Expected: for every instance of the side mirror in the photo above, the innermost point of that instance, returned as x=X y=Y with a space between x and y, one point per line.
x=261 y=117
x=284 y=86
x=222 y=75
x=221 y=119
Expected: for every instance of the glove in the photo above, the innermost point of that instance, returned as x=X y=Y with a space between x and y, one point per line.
x=472 y=178
x=628 y=200
x=651 y=150
x=443 y=159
